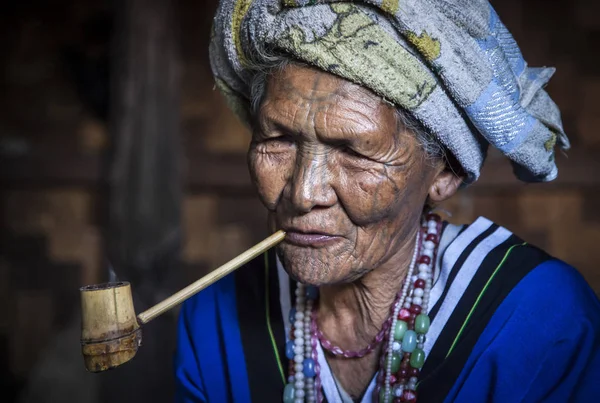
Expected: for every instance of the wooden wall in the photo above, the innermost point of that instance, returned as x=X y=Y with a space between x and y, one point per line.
x=53 y=143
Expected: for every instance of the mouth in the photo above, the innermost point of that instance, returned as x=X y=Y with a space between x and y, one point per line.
x=310 y=237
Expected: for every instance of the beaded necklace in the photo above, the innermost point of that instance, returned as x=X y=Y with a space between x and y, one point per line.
x=403 y=333
x=303 y=382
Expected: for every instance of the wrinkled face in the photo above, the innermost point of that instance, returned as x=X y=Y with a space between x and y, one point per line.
x=338 y=172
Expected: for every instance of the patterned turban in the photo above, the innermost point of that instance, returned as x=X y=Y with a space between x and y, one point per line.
x=452 y=64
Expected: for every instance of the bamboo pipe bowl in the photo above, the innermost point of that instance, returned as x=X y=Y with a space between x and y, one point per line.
x=110 y=333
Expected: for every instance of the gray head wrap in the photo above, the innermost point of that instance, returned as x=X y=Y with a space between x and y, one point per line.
x=451 y=63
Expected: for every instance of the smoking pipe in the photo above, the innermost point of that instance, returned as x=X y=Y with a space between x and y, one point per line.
x=111 y=332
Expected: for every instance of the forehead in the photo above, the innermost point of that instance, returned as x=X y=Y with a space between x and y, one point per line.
x=298 y=93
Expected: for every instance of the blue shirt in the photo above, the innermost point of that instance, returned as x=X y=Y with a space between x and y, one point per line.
x=540 y=343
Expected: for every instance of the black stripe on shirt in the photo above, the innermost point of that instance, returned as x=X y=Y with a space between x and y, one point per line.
x=440 y=372
x=461 y=310
x=458 y=265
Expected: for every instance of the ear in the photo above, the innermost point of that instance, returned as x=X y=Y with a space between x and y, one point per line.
x=444 y=186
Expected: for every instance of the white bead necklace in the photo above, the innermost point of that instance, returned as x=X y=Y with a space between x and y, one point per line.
x=415 y=297
x=399 y=304
x=304 y=382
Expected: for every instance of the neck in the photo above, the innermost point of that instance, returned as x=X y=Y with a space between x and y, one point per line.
x=364 y=305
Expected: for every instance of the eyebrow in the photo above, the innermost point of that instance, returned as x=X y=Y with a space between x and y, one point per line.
x=268 y=122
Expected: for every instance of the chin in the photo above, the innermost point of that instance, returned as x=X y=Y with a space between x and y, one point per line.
x=313 y=266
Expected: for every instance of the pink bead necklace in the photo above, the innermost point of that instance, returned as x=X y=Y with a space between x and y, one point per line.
x=338 y=351
x=400 y=366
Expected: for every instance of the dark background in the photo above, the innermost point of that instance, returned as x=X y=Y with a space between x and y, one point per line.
x=108 y=109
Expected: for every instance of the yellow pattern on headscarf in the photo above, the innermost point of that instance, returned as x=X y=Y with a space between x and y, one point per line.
x=390 y=6
x=429 y=47
x=551 y=142
x=239 y=12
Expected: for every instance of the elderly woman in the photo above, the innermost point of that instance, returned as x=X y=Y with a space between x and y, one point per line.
x=364 y=116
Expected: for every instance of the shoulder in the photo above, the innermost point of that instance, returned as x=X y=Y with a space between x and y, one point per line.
x=207 y=298
x=222 y=296
x=527 y=275
x=506 y=283
x=541 y=343
x=551 y=304
x=555 y=290
x=201 y=312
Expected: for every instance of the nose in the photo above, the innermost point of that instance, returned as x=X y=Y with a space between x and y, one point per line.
x=311 y=182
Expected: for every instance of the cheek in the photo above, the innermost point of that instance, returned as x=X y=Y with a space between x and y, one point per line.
x=380 y=194
x=270 y=173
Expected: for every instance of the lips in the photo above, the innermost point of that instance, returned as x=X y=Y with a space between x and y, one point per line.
x=309 y=237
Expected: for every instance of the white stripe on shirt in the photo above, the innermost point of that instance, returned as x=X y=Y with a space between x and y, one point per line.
x=461 y=282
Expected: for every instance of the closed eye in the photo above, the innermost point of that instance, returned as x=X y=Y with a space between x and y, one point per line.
x=275 y=144
x=350 y=152
x=284 y=138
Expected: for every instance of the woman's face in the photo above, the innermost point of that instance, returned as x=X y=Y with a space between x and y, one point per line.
x=339 y=173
